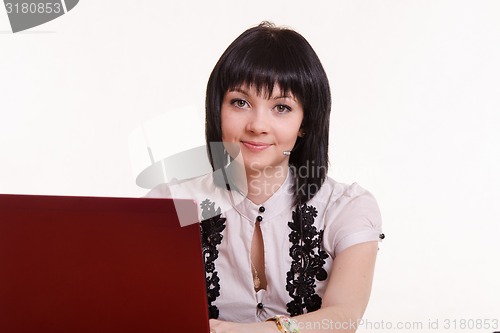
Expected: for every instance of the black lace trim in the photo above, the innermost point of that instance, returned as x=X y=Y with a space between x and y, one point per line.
x=307 y=264
x=212 y=226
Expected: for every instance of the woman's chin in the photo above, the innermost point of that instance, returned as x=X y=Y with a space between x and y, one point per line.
x=260 y=167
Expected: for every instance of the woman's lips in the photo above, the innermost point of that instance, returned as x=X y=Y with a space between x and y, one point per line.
x=255 y=146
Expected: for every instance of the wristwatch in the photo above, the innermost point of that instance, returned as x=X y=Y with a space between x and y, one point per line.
x=285 y=324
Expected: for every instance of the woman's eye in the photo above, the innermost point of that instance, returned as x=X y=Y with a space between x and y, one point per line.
x=281 y=108
x=240 y=103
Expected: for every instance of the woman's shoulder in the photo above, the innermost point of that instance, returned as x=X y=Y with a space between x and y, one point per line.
x=352 y=214
x=187 y=188
x=159 y=191
x=348 y=202
x=333 y=192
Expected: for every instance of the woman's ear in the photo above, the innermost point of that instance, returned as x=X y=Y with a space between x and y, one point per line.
x=301 y=133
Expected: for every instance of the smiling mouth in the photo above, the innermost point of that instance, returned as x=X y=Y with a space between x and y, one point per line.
x=255 y=146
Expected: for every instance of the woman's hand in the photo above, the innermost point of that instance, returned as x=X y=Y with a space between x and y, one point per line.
x=219 y=326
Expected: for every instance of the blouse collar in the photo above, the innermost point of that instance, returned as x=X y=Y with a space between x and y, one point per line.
x=281 y=200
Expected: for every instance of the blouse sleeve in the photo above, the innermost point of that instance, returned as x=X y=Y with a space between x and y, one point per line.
x=353 y=218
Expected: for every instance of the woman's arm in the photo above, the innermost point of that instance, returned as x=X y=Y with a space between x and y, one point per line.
x=344 y=302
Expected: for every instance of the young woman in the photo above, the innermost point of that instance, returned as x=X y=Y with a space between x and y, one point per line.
x=286 y=248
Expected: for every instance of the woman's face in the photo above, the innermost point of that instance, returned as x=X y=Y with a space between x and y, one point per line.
x=263 y=128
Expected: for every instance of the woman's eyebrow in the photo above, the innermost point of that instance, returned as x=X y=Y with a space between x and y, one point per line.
x=279 y=96
x=240 y=90
x=285 y=96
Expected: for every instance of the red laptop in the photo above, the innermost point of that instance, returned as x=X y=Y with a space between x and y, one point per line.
x=85 y=264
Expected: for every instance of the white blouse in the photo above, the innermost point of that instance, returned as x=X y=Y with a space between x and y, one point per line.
x=297 y=264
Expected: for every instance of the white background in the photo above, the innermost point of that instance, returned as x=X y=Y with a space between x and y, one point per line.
x=415 y=120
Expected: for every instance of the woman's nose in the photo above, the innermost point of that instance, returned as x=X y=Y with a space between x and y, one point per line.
x=258 y=121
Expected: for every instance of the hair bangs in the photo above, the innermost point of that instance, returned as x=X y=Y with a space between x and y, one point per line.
x=265 y=67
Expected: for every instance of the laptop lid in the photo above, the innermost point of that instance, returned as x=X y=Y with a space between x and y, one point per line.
x=87 y=264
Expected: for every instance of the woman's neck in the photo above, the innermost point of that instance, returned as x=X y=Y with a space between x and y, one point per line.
x=261 y=185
